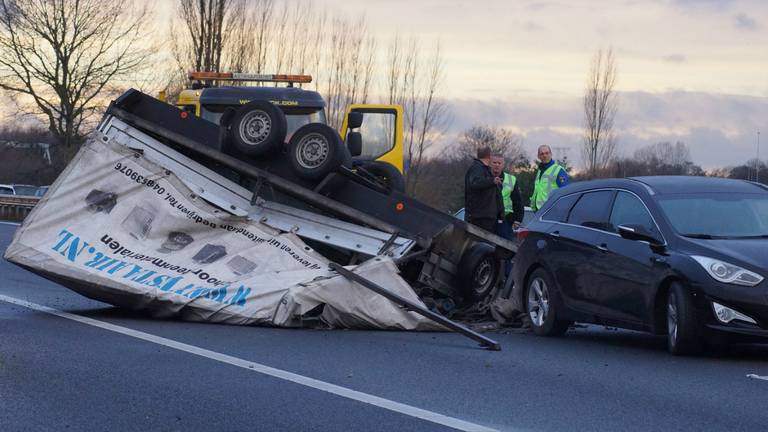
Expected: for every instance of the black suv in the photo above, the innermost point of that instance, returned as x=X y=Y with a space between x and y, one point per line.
x=682 y=256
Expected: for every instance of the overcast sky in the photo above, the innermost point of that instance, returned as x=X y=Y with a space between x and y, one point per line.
x=689 y=70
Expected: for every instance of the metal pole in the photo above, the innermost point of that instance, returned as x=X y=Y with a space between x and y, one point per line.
x=757 y=163
x=411 y=306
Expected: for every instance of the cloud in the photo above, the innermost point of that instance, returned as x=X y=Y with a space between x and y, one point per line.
x=703 y=4
x=540 y=5
x=531 y=26
x=719 y=129
x=674 y=58
x=744 y=22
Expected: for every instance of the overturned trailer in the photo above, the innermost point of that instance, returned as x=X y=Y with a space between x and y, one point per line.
x=350 y=213
x=346 y=216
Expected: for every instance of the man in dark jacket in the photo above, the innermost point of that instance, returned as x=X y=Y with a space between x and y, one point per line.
x=482 y=193
x=511 y=198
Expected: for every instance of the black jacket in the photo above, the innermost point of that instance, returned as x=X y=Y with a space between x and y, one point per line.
x=517 y=205
x=482 y=198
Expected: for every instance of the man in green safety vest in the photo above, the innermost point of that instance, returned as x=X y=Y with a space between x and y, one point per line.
x=510 y=197
x=549 y=177
x=512 y=201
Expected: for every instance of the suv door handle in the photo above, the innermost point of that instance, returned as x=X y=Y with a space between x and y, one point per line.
x=602 y=247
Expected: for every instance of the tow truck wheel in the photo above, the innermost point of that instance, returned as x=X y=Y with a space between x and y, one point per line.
x=258 y=128
x=541 y=306
x=316 y=150
x=478 y=271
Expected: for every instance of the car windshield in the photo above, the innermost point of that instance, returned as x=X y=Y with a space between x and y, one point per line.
x=297 y=120
x=717 y=215
x=294 y=118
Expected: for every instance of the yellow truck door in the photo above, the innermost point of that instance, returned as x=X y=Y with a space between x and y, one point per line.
x=382 y=132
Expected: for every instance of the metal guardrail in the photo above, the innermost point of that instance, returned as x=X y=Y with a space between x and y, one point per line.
x=16 y=207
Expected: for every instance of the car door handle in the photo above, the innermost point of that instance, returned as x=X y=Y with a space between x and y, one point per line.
x=555 y=234
x=602 y=247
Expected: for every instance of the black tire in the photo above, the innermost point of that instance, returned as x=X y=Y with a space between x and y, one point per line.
x=316 y=150
x=386 y=173
x=542 y=305
x=478 y=272
x=258 y=128
x=684 y=323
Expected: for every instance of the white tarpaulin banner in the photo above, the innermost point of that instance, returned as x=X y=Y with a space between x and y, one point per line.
x=117 y=228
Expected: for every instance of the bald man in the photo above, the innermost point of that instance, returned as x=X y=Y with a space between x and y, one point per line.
x=549 y=177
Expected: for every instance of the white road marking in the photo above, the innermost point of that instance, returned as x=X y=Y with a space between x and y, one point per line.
x=755 y=376
x=9 y=223
x=263 y=369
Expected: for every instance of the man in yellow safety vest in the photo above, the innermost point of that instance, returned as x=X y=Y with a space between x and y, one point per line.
x=512 y=201
x=510 y=197
x=549 y=177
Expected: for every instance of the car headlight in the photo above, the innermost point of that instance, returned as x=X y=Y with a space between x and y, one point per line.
x=728 y=273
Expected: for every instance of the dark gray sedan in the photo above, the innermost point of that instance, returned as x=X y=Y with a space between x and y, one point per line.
x=681 y=256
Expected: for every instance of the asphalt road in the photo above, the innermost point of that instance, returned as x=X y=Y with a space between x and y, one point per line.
x=102 y=368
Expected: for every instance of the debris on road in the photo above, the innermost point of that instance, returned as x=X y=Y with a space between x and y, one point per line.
x=759 y=377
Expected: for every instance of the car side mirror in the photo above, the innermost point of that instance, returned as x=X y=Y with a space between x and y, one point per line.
x=354 y=120
x=355 y=143
x=638 y=232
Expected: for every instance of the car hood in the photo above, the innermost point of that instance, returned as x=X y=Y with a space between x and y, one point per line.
x=753 y=252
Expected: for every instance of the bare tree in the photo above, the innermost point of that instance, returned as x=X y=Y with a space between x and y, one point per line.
x=600 y=107
x=348 y=66
x=416 y=87
x=238 y=51
x=263 y=12
x=434 y=117
x=210 y=29
x=281 y=46
x=58 y=58
x=500 y=140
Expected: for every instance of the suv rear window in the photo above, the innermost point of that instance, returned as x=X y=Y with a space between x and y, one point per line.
x=592 y=209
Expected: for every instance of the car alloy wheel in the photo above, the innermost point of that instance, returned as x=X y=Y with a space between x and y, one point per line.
x=538 y=302
x=684 y=322
x=672 y=327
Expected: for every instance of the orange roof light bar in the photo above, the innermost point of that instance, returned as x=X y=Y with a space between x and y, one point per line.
x=239 y=76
